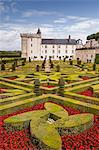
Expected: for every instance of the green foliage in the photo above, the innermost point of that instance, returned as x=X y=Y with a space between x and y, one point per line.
x=29 y=59
x=94 y=66
x=2 y=66
x=57 y=68
x=93 y=36
x=61 y=85
x=37 y=87
x=48 y=132
x=97 y=59
x=13 y=66
x=71 y=62
x=37 y=68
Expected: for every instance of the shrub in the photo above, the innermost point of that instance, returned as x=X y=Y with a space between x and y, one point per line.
x=61 y=84
x=57 y=68
x=94 y=66
x=29 y=59
x=2 y=66
x=37 y=68
x=71 y=62
x=13 y=66
x=37 y=87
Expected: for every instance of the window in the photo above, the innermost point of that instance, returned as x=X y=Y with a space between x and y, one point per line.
x=59 y=51
x=53 y=46
x=91 y=56
x=59 y=46
x=53 y=51
x=45 y=46
x=45 y=51
x=53 y=56
x=66 y=51
x=31 y=51
x=72 y=51
x=31 y=45
x=66 y=46
x=31 y=39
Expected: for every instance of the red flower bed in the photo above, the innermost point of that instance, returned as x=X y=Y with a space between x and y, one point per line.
x=19 y=140
x=49 y=86
x=87 y=93
x=85 y=78
x=11 y=78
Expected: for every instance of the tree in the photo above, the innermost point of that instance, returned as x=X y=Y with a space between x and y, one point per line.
x=37 y=87
x=61 y=85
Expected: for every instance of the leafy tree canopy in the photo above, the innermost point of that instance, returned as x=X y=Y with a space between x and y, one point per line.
x=93 y=36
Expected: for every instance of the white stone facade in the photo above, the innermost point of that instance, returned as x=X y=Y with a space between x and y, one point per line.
x=87 y=54
x=91 y=43
x=36 y=48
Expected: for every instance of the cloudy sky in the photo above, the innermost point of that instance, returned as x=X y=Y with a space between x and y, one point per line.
x=56 y=18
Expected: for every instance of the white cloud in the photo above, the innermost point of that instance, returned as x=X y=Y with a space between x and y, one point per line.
x=84 y=26
x=30 y=13
x=78 y=18
x=10 y=32
x=60 y=20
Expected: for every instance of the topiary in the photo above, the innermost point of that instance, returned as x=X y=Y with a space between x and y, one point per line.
x=94 y=66
x=13 y=66
x=61 y=85
x=37 y=87
x=37 y=68
x=57 y=68
x=2 y=66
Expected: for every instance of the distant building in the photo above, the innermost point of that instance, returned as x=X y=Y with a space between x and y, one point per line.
x=37 y=48
x=89 y=51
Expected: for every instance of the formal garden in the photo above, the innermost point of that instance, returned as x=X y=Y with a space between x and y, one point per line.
x=49 y=105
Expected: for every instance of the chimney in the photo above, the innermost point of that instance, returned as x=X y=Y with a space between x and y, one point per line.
x=69 y=37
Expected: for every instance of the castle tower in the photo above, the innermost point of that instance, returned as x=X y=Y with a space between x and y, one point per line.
x=31 y=45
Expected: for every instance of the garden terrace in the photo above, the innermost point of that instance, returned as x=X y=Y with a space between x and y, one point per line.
x=79 y=94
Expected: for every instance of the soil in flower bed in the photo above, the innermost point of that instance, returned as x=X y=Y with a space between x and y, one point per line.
x=20 y=140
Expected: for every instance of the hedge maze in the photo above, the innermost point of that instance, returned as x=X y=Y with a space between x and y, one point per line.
x=70 y=87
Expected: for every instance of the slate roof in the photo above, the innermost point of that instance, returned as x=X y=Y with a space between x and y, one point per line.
x=59 y=41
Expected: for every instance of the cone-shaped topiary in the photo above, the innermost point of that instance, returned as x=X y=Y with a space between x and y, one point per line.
x=61 y=84
x=13 y=66
x=37 y=68
x=57 y=68
x=94 y=66
x=2 y=66
x=37 y=87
